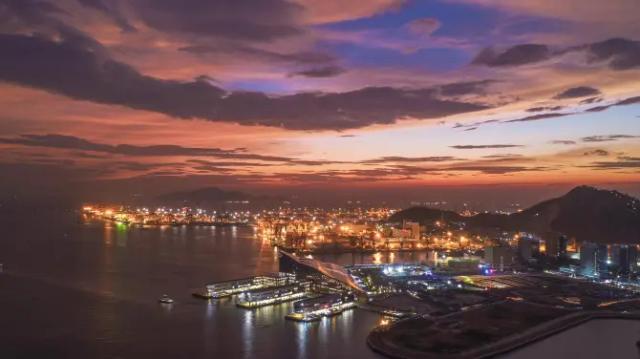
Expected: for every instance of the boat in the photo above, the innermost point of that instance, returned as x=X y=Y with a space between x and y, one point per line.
x=268 y=296
x=299 y=317
x=328 y=305
x=165 y=300
x=203 y=294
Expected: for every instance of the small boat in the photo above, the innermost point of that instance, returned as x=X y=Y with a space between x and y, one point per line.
x=165 y=300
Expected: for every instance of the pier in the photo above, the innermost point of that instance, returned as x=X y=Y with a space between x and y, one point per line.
x=271 y=296
x=313 y=309
x=238 y=286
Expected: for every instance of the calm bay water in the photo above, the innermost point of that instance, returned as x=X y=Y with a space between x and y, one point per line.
x=90 y=290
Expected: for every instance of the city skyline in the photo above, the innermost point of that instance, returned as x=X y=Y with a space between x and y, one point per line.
x=277 y=95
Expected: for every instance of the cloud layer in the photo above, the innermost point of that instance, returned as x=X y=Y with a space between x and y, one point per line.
x=249 y=92
x=104 y=80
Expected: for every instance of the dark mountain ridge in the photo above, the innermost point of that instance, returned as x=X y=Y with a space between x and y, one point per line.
x=209 y=195
x=584 y=213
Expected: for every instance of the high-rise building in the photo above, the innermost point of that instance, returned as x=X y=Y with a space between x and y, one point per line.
x=588 y=258
x=594 y=258
x=525 y=250
x=499 y=257
x=528 y=248
x=633 y=257
x=563 y=241
x=624 y=257
x=556 y=246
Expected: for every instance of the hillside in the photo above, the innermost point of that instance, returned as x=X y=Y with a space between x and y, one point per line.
x=425 y=215
x=584 y=213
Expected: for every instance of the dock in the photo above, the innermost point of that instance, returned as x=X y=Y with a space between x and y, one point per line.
x=271 y=296
x=316 y=308
x=239 y=286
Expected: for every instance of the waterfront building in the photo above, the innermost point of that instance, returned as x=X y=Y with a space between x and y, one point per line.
x=414 y=228
x=301 y=266
x=400 y=233
x=324 y=306
x=499 y=257
x=227 y=288
x=262 y=297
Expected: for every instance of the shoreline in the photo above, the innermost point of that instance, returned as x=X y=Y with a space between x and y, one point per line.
x=360 y=250
x=159 y=225
x=377 y=342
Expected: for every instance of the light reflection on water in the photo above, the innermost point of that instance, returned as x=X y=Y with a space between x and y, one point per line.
x=302 y=334
x=211 y=308
x=98 y=287
x=91 y=291
x=122 y=235
x=247 y=332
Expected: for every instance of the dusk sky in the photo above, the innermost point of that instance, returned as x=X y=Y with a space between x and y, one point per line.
x=281 y=94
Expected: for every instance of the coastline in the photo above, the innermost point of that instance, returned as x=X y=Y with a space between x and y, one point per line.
x=377 y=342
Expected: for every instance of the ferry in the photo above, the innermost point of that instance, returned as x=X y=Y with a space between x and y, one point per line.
x=238 y=286
x=165 y=299
x=313 y=309
x=262 y=297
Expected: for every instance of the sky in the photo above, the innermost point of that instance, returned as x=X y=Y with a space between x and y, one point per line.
x=111 y=96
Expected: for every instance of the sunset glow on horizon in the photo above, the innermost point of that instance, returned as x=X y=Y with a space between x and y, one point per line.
x=274 y=93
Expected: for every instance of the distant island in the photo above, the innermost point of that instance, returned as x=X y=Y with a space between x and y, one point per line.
x=209 y=196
